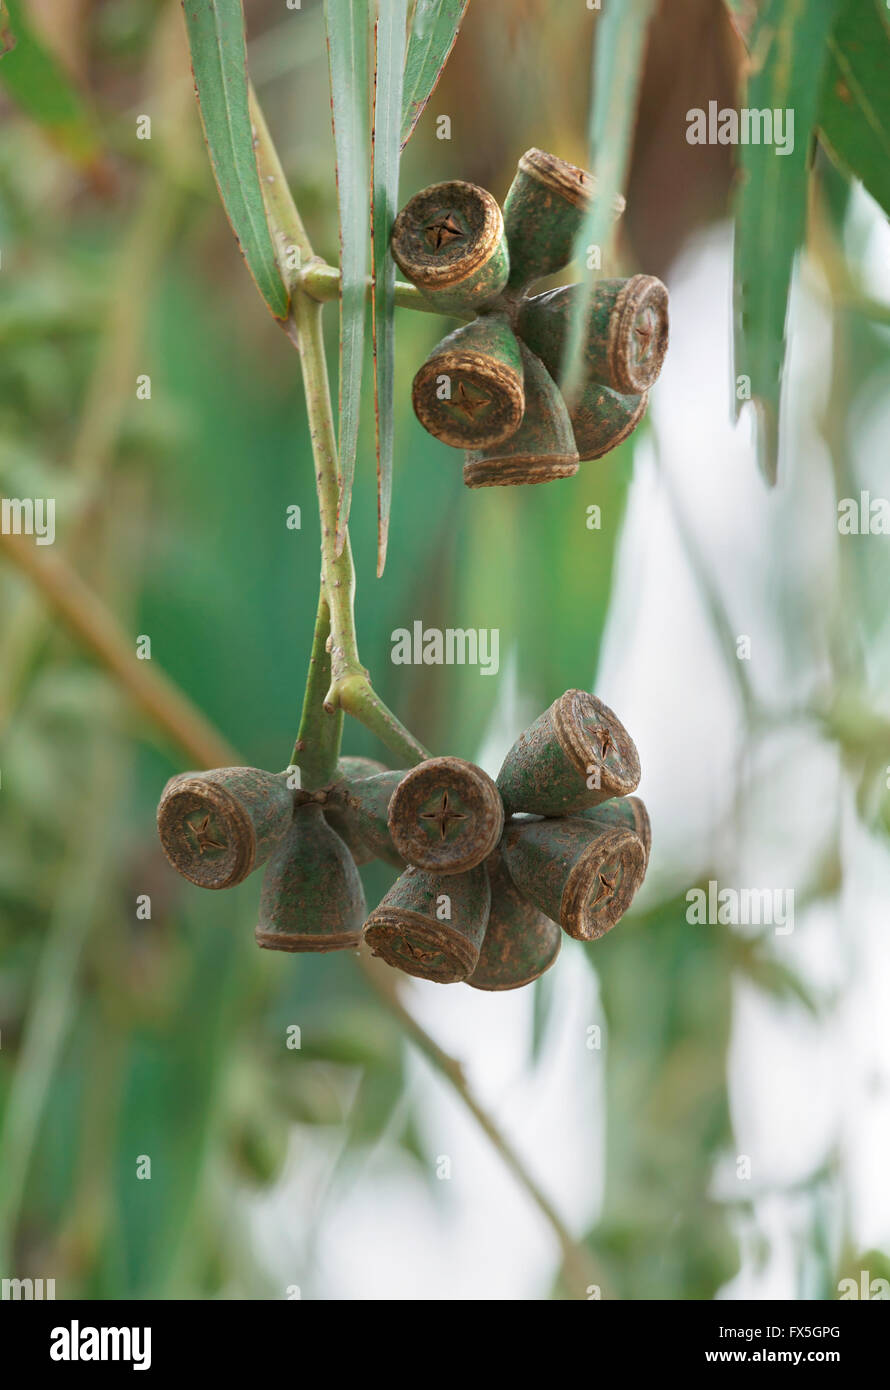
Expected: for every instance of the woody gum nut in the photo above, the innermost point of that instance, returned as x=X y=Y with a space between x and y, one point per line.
x=363 y=807
x=629 y=811
x=351 y=769
x=312 y=897
x=627 y=336
x=543 y=213
x=430 y=925
x=543 y=448
x=217 y=827
x=449 y=241
x=578 y=874
x=603 y=419
x=469 y=392
x=446 y=815
x=576 y=754
x=520 y=942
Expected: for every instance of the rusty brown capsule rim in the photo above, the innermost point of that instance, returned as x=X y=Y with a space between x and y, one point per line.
x=577 y=186
x=429 y=270
x=638 y=335
x=519 y=470
x=602 y=884
x=588 y=455
x=446 y=816
x=486 y=374
x=592 y=735
x=191 y=794
x=419 y=945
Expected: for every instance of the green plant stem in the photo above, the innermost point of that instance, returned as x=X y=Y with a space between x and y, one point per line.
x=318 y=742
x=350 y=688
x=579 y=1270
x=322 y=282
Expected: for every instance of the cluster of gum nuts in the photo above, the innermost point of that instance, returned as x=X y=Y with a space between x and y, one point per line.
x=490 y=871
x=492 y=387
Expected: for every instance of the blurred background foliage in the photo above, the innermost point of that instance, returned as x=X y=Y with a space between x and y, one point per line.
x=164 y=1037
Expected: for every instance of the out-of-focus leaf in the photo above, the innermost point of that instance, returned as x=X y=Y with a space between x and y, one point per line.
x=617 y=67
x=219 y=63
x=789 y=56
x=667 y=1122
x=42 y=88
x=854 y=114
x=434 y=29
x=389 y=47
x=774 y=977
x=347 y=29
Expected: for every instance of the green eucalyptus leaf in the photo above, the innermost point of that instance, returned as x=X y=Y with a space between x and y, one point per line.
x=388 y=84
x=219 y=62
x=347 y=29
x=434 y=29
x=854 y=114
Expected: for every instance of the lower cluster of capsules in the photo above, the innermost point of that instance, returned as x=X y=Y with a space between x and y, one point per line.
x=490 y=871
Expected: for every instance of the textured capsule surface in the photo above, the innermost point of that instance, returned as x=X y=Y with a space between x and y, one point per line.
x=446 y=815
x=470 y=390
x=432 y=925
x=541 y=450
x=449 y=241
x=312 y=897
x=575 y=755
x=216 y=827
x=520 y=943
x=579 y=874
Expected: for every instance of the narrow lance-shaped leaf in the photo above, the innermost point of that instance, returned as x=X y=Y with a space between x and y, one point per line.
x=38 y=84
x=618 y=58
x=434 y=29
x=347 y=32
x=219 y=63
x=854 y=114
x=388 y=73
x=790 y=52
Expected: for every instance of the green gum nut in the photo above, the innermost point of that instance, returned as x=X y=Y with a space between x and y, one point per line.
x=350 y=769
x=362 y=808
x=542 y=449
x=520 y=941
x=469 y=391
x=432 y=925
x=312 y=897
x=575 y=755
x=629 y=811
x=449 y=241
x=627 y=336
x=580 y=875
x=446 y=815
x=216 y=827
x=603 y=419
x=543 y=213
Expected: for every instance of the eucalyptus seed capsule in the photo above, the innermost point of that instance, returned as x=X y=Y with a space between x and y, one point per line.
x=520 y=941
x=543 y=213
x=446 y=815
x=627 y=336
x=449 y=241
x=362 y=807
x=543 y=448
x=432 y=925
x=349 y=770
x=579 y=874
x=576 y=754
x=603 y=419
x=312 y=897
x=216 y=827
x=629 y=811
x=469 y=391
